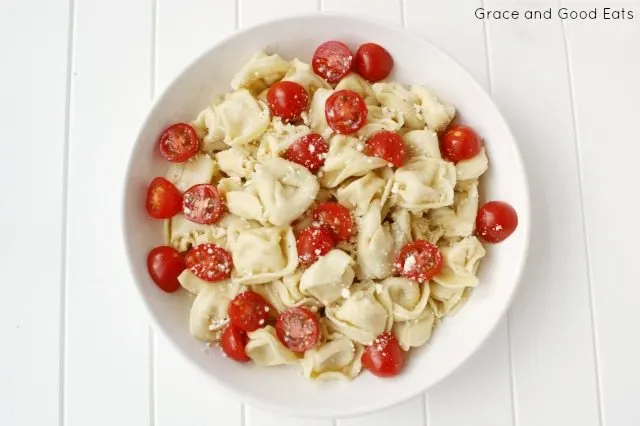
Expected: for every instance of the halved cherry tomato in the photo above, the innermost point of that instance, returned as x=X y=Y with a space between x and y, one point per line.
x=164 y=200
x=387 y=145
x=249 y=311
x=233 y=342
x=165 y=264
x=337 y=217
x=373 y=62
x=209 y=262
x=346 y=111
x=332 y=60
x=203 y=204
x=384 y=357
x=419 y=260
x=495 y=221
x=298 y=329
x=287 y=100
x=460 y=142
x=313 y=242
x=179 y=142
x=309 y=151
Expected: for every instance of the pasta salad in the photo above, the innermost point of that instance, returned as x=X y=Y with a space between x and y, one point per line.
x=322 y=216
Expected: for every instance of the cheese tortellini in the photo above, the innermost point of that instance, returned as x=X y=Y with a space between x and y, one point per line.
x=352 y=286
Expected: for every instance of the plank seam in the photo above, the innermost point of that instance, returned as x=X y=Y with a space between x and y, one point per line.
x=403 y=13
x=512 y=377
x=574 y=123
x=65 y=201
x=153 y=63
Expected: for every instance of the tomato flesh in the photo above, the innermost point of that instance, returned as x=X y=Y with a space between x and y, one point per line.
x=332 y=60
x=309 y=151
x=312 y=243
x=179 y=142
x=384 y=357
x=298 y=329
x=209 y=262
x=373 y=62
x=496 y=221
x=203 y=204
x=336 y=217
x=345 y=111
x=164 y=200
x=165 y=264
x=233 y=342
x=387 y=145
x=460 y=142
x=249 y=311
x=287 y=100
x=419 y=260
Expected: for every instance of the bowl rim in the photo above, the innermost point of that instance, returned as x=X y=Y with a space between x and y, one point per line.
x=524 y=224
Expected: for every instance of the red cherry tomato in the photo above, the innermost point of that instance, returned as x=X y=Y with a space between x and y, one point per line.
x=346 y=111
x=495 y=221
x=384 y=357
x=387 y=145
x=419 y=260
x=249 y=311
x=313 y=242
x=373 y=62
x=203 y=204
x=298 y=329
x=309 y=151
x=179 y=142
x=233 y=342
x=332 y=60
x=459 y=143
x=209 y=262
x=164 y=200
x=337 y=217
x=287 y=100
x=164 y=265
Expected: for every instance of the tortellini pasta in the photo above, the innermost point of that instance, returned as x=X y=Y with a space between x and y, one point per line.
x=365 y=314
x=328 y=277
x=209 y=310
x=263 y=254
x=351 y=287
x=302 y=74
x=425 y=183
x=241 y=118
x=345 y=159
x=472 y=168
x=198 y=169
x=353 y=81
x=339 y=358
x=375 y=245
x=265 y=349
x=260 y=72
x=285 y=189
x=458 y=220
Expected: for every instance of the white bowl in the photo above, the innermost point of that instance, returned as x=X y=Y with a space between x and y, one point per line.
x=416 y=61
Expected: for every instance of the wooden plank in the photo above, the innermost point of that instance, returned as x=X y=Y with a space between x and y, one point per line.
x=484 y=382
x=33 y=93
x=386 y=10
x=182 y=395
x=107 y=352
x=605 y=90
x=409 y=413
x=550 y=320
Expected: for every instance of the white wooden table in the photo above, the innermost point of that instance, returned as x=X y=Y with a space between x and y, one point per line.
x=76 y=77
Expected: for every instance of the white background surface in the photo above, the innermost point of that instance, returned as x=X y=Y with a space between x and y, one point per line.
x=76 y=77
